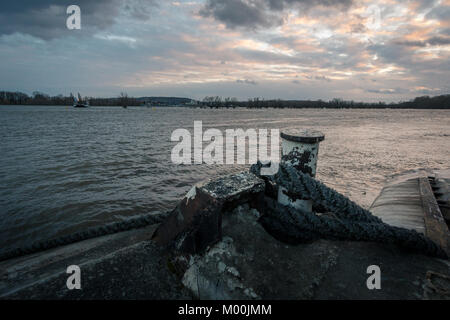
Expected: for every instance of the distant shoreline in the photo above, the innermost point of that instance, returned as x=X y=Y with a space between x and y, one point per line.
x=216 y=102
x=241 y=108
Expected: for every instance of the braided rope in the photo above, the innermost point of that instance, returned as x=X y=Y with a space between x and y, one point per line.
x=353 y=222
x=110 y=228
x=348 y=220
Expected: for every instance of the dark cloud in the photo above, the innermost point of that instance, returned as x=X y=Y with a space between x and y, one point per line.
x=433 y=41
x=440 y=13
x=359 y=28
x=410 y=43
x=246 y=81
x=439 y=41
x=322 y=78
x=392 y=53
x=236 y=13
x=260 y=13
x=404 y=57
x=141 y=9
x=446 y=32
x=46 y=19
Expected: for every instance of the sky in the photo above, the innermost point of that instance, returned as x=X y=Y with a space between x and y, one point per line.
x=290 y=49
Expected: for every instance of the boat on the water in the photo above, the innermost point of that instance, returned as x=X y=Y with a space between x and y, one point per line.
x=79 y=103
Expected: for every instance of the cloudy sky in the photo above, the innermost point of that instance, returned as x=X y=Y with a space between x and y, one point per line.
x=292 y=49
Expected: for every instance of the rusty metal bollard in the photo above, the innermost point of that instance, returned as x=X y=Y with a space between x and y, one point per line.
x=300 y=149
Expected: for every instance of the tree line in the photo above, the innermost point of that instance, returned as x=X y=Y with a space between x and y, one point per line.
x=424 y=102
x=39 y=98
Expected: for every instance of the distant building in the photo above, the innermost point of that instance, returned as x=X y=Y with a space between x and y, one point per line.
x=192 y=103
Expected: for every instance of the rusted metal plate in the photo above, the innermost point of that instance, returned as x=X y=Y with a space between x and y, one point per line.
x=198 y=208
x=435 y=227
x=196 y=222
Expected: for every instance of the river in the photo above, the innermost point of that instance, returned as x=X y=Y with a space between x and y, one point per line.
x=64 y=169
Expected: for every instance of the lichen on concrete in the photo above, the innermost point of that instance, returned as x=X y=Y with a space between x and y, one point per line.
x=250 y=264
x=230 y=186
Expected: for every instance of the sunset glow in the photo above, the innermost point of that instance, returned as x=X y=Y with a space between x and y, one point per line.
x=363 y=50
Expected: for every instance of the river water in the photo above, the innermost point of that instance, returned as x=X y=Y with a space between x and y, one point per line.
x=64 y=169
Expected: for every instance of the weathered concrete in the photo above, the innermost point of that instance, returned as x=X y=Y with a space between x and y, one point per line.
x=196 y=222
x=234 y=187
x=125 y=265
x=240 y=261
x=249 y=264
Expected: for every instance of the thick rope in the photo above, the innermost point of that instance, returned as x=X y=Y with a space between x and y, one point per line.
x=352 y=222
x=345 y=220
x=110 y=228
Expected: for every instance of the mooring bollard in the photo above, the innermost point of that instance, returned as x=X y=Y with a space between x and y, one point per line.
x=300 y=149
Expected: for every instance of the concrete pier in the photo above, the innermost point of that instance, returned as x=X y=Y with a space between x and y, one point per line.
x=243 y=262
x=412 y=201
x=300 y=149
